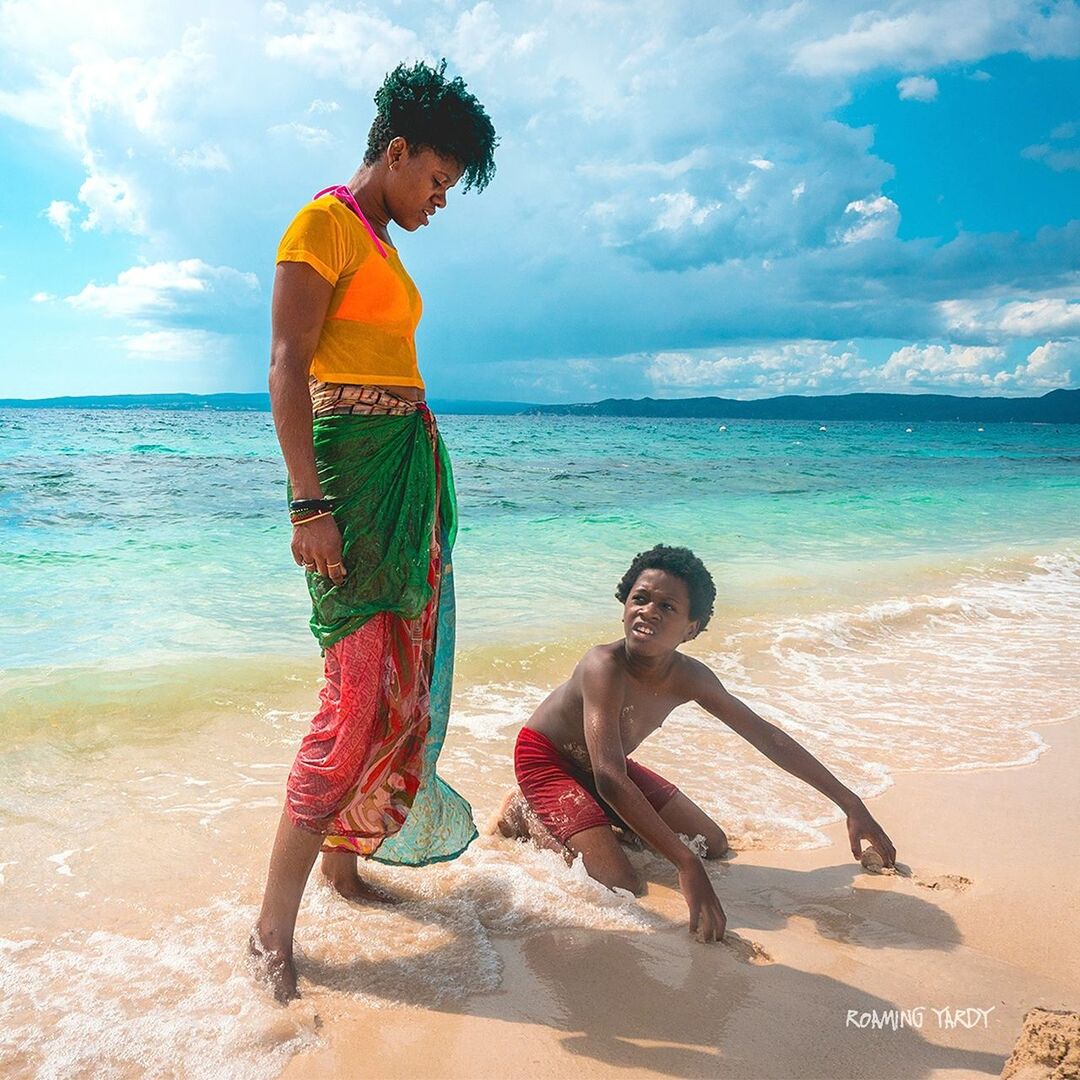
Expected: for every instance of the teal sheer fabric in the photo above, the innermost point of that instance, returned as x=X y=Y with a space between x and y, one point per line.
x=440 y=823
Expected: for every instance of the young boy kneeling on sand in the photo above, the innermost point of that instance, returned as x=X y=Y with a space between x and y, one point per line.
x=571 y=759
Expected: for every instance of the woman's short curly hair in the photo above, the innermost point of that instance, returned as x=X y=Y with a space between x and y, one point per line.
x=682 y=563
x=429 y=110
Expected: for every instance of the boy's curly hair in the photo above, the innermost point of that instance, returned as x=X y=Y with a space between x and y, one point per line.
x=682 y=563
x=428 y=110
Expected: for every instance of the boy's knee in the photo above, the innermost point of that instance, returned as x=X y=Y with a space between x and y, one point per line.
x=716 y=843
x=617 y=877
x=628 y=880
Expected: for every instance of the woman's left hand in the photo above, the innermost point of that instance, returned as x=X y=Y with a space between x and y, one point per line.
x=316 y=546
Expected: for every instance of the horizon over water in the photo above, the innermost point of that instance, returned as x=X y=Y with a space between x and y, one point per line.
x=890 y=597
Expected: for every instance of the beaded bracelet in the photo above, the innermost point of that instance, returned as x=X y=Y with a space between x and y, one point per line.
x=311 y=504
x=303 y=519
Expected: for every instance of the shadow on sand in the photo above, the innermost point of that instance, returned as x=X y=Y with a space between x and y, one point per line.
x=660 y=1001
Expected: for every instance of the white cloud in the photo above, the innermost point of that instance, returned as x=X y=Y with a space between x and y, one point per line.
x=1060 y=159
x=208 y=157
x=831 y=367
x=130 y=97
x=917 y=88
x=954 y=366
x=1051 y=315
x=970 y=318
x=806 y=366
x=44 y=29
x=668 y=170
x=176 y=346
x=742 y=191
x=111 y=204
x=982 y=369
x=477 y=37
x=1043 y=316
x=875 y=218
x=760 y=181
x=276 y=10
x=42 y=298
x=526 y=42
x=303 y=133
x=792 y=367
x=945 y=33
x=145 y=93
x=60 y=213
x=680 y=209
x=1049 y=365
x=169 y=288
x=1053 y=154
x=356 y=46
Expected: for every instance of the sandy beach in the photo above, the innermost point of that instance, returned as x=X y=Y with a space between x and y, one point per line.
x=144 y=760
x=824 y=959
x=356 y=357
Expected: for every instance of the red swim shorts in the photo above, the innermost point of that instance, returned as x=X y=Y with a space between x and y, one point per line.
x=564 y=798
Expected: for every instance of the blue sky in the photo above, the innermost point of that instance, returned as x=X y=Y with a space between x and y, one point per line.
x=741 y=198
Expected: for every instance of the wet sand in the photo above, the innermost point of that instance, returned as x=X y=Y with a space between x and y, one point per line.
x=987 y=927
x=138 y=803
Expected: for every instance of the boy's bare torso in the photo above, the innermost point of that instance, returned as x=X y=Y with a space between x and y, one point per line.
x=646 y=704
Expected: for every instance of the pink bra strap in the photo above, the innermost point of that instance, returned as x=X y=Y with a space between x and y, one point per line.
x=340 y=191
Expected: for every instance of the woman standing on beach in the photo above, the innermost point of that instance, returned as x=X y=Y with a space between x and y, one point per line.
x=372 y=509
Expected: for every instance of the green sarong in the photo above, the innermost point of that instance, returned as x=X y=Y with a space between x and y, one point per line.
x=390 y=479
x=382 y=474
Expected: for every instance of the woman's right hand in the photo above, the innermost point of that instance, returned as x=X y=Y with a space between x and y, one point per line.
x=316 y=546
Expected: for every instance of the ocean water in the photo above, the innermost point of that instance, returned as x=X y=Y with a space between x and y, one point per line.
x=896 y=599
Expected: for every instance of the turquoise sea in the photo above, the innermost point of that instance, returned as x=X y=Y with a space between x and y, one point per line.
x=896 y=596
x=134 y=535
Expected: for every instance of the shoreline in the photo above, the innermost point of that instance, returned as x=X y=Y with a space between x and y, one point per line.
x=850 y=956
x=935 y=694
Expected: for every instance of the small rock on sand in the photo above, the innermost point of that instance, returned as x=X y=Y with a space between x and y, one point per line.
x=1048 y=1047
x=872 y=861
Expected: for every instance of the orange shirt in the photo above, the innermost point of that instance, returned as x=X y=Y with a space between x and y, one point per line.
x=370 y=327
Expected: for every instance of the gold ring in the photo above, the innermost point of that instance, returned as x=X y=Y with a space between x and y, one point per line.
x=330 y=566
x=311 y=566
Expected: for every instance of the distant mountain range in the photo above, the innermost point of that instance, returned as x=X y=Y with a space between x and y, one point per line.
x=1056 y=407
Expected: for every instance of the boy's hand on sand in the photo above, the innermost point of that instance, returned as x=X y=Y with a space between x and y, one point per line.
x=707 y=918
x=861 y=826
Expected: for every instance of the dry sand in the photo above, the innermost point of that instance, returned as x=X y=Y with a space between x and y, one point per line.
x=1048 y=1047
x=824 y=959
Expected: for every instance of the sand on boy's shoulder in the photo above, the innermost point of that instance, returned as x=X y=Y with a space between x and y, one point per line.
x=1048 y=1047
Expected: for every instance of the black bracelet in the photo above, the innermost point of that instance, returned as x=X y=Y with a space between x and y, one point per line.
x=311 y=504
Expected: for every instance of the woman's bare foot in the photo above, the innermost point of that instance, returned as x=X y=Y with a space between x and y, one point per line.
x=273 y=967
x=339 y=872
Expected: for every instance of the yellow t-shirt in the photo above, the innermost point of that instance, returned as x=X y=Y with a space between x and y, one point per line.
x=369 y=335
